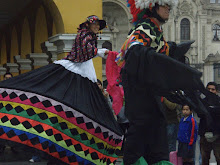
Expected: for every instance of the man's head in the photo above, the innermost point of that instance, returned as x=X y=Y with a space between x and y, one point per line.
x=160 y=13
x=7 y=75
x=159 y=9
x=212 y=87
x=164 y=12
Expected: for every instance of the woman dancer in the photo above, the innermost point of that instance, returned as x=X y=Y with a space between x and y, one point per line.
x=59 y=108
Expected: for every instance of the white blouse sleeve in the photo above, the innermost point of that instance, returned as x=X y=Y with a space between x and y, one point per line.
x=101 y=53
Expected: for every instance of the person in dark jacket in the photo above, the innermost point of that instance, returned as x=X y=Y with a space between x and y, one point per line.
x=210 y=139
x=173 y=115
x=187 y=136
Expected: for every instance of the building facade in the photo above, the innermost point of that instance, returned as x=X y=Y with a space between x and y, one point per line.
x=33 y=33
x=197 y=20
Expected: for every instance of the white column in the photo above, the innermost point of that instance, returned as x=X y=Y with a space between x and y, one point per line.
x=39 y=59
x=2 y=71
x=208 y=73
x=50 y=49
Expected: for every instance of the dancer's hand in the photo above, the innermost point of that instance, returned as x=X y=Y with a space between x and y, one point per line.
x=106 y=52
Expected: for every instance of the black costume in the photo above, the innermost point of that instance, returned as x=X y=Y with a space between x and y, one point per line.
x=146 y=76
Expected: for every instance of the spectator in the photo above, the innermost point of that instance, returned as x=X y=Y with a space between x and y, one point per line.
x=106 y=95
x=187 y=136
x=7 y=75
x=104 y=92
x=173 y=115
x=209 y=137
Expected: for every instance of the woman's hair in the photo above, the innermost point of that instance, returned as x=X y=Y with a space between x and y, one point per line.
x=8 y=73
x=98 y=81
x=84 y=26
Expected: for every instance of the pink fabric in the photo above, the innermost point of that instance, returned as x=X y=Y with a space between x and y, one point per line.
x=113 y=78
x=175 y=159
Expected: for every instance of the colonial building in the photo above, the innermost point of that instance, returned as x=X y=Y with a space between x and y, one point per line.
x=35 y=33
x=197 y=20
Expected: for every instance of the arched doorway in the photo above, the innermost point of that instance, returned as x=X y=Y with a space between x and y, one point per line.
x=118 y=22
x=54 y=11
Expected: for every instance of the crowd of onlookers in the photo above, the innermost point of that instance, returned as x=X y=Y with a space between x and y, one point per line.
x=185 y=129
x=184 y=126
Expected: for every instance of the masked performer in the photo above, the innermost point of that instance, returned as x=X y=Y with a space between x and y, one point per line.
x=59 y=108
x=149 y=72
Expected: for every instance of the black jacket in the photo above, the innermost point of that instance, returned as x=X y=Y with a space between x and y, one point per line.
x=212 y=104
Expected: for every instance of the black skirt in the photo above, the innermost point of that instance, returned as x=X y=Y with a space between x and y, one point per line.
x=184 y=151
x=59 y=112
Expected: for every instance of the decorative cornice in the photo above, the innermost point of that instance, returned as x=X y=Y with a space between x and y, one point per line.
x=211 y=58
x=2 y=70
x=39 y=59
x=12 y=67
x=184 y=9
x=64 y=42
x=50 y=49
x=25 y=64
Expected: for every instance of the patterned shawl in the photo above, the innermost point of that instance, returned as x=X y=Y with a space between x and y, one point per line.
x=84 y=46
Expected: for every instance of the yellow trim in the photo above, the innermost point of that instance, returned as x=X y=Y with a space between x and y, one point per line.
x=14 y=45
x=52 y=138
x=3 y=51
x=25 y=39
x=41 y=34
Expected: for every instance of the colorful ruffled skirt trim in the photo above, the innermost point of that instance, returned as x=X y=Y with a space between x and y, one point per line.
x=59 y=112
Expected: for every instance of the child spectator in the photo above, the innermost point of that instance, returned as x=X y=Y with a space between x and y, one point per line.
x=106 y=95
x=187 y=135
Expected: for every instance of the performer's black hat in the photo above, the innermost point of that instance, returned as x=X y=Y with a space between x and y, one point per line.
x=92 y=19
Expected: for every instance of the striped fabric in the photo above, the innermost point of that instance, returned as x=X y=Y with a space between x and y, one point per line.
x=69 y=119
x=31 y=119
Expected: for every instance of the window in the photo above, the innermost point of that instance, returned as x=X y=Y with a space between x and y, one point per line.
x=185 y=29
x=216 y=32
x=212 y=1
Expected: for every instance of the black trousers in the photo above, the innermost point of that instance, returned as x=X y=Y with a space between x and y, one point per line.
x=147 y=134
